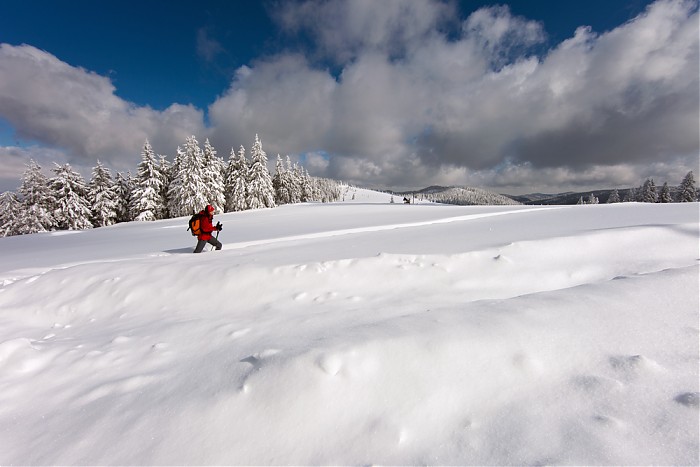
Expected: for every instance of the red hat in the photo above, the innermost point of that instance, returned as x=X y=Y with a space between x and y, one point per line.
x=209 y=208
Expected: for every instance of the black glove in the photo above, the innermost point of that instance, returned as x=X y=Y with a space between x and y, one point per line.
x=219 y=227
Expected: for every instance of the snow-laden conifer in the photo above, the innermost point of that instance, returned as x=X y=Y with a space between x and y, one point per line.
x=123 y=187
x=37 y=201
x=614 y=197
x=147 y=202
x=188 y=191
x=260 y=193
x=165 y=174
x=213 y=169
x=279 y=183
x=307 y=191
x=102 y=196
x=648 y=192
x=665 y=195
x=293 y=181
x=236 y=181
x=10 y=212
x=72 y=210
x=688 y=193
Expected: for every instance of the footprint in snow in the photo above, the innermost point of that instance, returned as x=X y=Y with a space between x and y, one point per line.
x=257 y=359
x=609 y=422
x=688 y=399
x=632 y=366
x=596 y=384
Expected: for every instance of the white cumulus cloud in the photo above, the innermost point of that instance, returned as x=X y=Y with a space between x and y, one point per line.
x=53 y=103
x=412 y=105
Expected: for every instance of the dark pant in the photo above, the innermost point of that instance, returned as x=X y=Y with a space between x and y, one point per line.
x=211 y=241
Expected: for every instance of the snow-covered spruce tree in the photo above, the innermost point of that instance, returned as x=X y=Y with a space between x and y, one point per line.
x=187 y=192
x=631 y=196
x=72 y=210
x=174 y=170
x=294 y=181
x=614 y=197
x=278 y=183
x=147 y=202
x=260 y=193
x=307 y=190
x=123 y=188
x=214 y=168
x=592 y=199
x=236 y=181
x=665 y=196
x=648 y=192
x=165 y=173
x=37 y=202
x=687 y=193
x=102 y=195
x=10 y=212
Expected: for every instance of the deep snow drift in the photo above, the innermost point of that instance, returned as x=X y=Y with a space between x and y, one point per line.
x=357 y=333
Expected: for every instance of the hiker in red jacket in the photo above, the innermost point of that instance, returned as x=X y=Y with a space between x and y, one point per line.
x=206 y=226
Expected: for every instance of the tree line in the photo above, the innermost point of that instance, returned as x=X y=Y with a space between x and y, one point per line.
x=159 y=190
x=648 y=192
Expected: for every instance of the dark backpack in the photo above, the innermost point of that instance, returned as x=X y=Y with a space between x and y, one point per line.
x=196 y=224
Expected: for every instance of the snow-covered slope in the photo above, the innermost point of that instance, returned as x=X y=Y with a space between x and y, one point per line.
x=356 y=333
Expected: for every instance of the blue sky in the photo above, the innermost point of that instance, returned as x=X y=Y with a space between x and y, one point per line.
x=355 y=79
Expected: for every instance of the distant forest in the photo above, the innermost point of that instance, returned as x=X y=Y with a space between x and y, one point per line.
x=159 y=190
x=647 y=192
x=464 y=196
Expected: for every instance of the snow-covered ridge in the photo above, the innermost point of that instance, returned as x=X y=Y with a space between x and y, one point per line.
x=357 y=333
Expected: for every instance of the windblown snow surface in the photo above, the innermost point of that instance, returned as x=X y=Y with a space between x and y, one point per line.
x=362 y=332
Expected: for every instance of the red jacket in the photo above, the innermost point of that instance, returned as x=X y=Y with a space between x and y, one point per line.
x=206 y=226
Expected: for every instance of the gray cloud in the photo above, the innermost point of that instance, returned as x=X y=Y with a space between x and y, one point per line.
x=343 y=30
x=283 y=99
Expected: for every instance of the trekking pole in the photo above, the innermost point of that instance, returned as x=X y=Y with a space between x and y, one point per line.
x=217 y=237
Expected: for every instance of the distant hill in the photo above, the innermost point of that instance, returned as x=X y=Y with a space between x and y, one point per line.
x=464 y=196
x=573 y=198
x=568 y=197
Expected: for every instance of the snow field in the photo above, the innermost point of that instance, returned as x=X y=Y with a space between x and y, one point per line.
x=575 y=347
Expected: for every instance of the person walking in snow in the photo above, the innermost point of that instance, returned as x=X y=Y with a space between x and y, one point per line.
x=206 y=229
